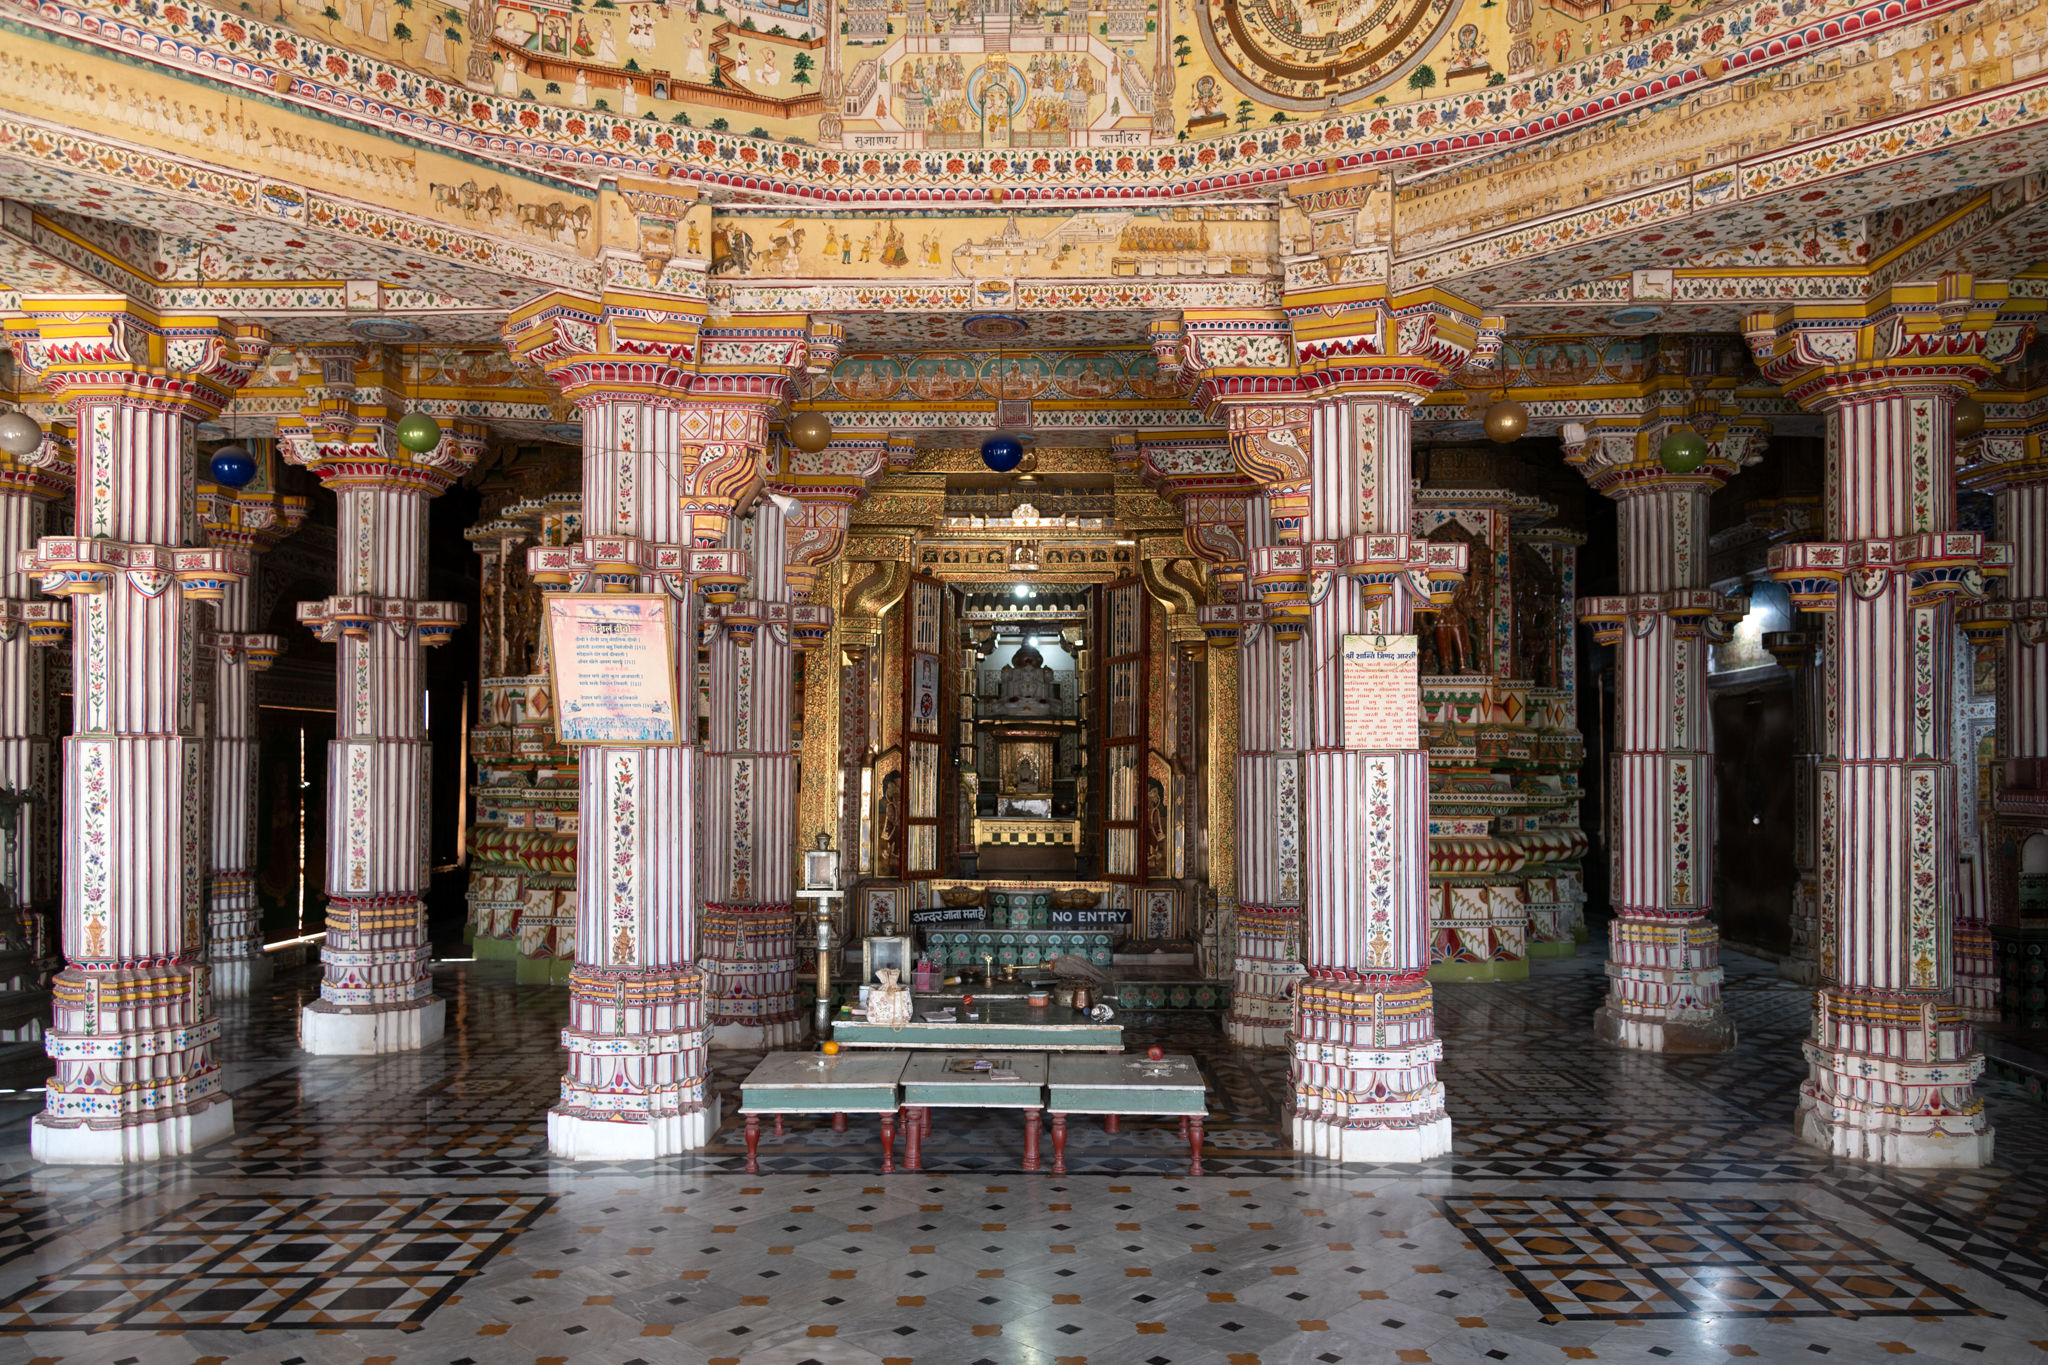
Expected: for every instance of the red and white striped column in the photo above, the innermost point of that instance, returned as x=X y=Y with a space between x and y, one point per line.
x=29 y=625
x=1892 y=1057
x=376 y=992
x=133 y=1027
x=662 y=472
x=2010 y=464
x=254 y=518
x=749 y=927
x=1364 y=1034
x=1664 y=956
x=1271 y=720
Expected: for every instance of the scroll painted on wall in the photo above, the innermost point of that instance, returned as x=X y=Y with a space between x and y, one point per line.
x=614 y=666
x=1382 y=692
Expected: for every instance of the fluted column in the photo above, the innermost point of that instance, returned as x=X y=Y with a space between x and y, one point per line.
x=668 y=449
x=1364 y=1029
x=133 y=1027
x=749 y=929
x=376 y=993
x=1271 y=733
x=1664 y=956
x=28 y=751
x=254 y=518
x=1794 y=650
x=2011 y=465
x=1892 y=1057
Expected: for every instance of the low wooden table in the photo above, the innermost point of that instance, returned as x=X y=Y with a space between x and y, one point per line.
x=1083 y=1083
x=1004 y=1024
x=929 y=1083
x=812 y=1083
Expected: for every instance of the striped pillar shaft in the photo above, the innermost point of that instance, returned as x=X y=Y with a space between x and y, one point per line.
x=1268 y=854
x=749 y=929
x=1364 y=1036
x=133 y=1023
x=234 y=924
x=1892 y=1058
x=2022 y=520
x=375 y=991
x=1802 y=963
x=28 y=762
x=1664 y=957
x=634 y=1088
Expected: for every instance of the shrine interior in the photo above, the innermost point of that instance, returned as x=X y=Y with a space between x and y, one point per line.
x=954 y=682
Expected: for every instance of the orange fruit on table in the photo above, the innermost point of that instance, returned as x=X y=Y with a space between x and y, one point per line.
x=830 y=1049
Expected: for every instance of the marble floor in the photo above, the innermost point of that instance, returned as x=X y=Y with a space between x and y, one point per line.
x=1599 y=1206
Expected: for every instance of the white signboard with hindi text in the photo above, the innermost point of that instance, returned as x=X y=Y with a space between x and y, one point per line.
x=614 y=665
x=1382 y=692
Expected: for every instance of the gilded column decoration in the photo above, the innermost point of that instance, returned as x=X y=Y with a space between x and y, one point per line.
x=253 y=518
x=1892 y=1055
x=133 y=1022
x=375 y=991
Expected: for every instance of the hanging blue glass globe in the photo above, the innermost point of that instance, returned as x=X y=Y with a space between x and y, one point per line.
x=1002 y=453
x=231 y=467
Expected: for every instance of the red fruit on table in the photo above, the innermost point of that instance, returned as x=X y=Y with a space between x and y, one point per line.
x=1155 y=1052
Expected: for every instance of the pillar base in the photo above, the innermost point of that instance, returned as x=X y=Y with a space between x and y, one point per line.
x=1680 y=1036
x=1552 y=948
x=1804 y=970
x=1866 y=1135
x=1503 y=969
x=236 y=978
x=1251 y=1032
x=150 y=1140
x=756 y=1037
x=328 y=1030
x=1380 y=1145
x=578 y=1137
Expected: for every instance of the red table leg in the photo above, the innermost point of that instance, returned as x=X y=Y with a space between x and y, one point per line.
x=913 y=1138
x=926 y=1121
x=1183 y=1127
x=1059 y=1144
x=1031 y=1139
x=1109 y=1122
x=778 y=1125
x=753 y=1143
x=888 y=1143
x=1195 y=1144
x=839 y=1123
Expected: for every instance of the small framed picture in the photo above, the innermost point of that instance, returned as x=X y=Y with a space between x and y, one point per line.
x=877 y=953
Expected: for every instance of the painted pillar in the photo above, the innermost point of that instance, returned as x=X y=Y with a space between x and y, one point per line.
x=1664 y=956
x=1892 y=1058
x=1794 y=650
x=749 y=929
x=133 y=1022
x=1991 y=947
x=1364 y=1035
x=662 y=470
x=253 y=518
x=28 y=751
x=1271 y=734
x=376 y=994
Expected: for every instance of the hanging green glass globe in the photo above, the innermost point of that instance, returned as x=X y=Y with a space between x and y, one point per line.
x=418 y=432
x=1682 y=451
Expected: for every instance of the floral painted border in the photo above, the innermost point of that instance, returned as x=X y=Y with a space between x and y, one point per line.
x=238 y=50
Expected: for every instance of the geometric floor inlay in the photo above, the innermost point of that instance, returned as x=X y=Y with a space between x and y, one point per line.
x=1611 y=1257
x=247 y=1261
